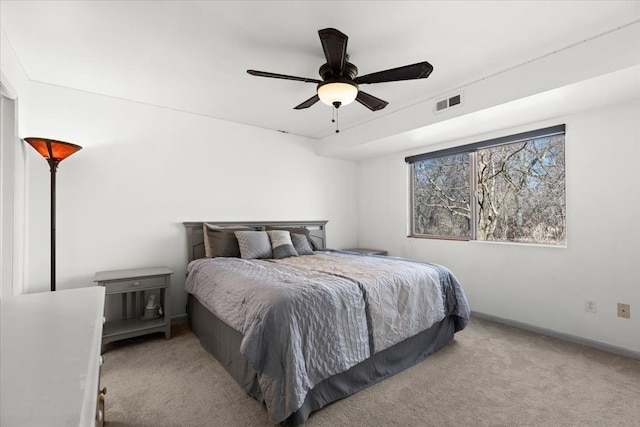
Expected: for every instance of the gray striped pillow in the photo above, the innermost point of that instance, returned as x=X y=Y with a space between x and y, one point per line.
x=281 y=244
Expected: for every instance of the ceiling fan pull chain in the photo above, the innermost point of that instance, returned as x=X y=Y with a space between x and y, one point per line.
x=337 y=105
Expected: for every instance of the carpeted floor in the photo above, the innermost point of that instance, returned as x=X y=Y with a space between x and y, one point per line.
x=490 y=375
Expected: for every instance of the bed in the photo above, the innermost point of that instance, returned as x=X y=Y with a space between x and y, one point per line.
x=299 y=326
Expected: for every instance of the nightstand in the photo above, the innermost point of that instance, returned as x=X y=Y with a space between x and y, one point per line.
x=127 y=293
x=365 y=251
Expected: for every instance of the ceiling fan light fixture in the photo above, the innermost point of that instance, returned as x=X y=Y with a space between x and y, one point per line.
x=343 y=92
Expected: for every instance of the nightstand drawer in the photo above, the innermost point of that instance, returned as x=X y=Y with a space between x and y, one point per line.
x=134 y=285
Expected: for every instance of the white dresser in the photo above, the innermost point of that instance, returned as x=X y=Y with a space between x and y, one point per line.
x=50 y=347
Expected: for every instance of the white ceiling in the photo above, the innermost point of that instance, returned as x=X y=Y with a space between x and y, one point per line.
x=192 y=56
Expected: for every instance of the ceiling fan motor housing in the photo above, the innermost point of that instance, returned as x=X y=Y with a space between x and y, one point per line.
x=338 y=89
x=350 y=72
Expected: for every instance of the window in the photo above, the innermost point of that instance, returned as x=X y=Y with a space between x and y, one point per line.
x=506 y=189
x=441 y=196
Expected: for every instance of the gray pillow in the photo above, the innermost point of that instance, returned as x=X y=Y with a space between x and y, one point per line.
x=281 y=244
x=221 y=241
x=254 y=244
x=301 y=244
x=297 y=230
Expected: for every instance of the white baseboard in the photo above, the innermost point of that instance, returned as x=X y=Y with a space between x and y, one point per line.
x=560 y=335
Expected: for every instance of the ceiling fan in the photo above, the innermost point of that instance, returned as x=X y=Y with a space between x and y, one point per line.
x=340 y=85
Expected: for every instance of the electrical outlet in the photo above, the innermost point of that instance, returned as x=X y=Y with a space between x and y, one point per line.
x=624 y=310
x=590 y=305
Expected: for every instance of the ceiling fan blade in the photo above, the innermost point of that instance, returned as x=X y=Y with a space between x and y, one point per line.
x=421 y=70
x=282 y=76
x=308 y=103
x=370 y=101
x=334 y=44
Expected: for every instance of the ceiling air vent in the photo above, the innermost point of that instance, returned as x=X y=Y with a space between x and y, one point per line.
x=441 y=105
x=447 y=103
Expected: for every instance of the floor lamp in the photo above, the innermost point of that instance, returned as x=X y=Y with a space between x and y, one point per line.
x=54 y=152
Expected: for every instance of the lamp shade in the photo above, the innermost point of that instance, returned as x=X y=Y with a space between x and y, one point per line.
x=52 y=149
x=342 y=92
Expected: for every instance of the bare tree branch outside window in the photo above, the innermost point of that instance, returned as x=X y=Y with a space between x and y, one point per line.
x=441 y=196
x=519 y=191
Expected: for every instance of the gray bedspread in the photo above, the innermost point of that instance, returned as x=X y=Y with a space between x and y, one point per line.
x=307 y=318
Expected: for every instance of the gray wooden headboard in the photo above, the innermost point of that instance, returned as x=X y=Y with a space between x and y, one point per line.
x=195 y=236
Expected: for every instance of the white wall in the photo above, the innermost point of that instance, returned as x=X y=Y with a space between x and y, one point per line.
x=13 y=172
x=144 y=170
x=537 y=285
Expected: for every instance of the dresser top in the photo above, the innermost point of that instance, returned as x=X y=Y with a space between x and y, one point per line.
x=103 y=276
x=49 y=357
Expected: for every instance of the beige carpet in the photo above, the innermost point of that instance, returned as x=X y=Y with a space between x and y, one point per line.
x=490 y=375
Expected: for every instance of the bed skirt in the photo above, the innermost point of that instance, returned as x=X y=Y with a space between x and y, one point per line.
x=223 y=342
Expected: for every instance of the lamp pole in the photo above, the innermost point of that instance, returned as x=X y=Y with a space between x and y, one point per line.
x=53 y=163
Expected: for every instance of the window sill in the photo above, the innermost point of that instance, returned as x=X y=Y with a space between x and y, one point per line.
x=485 y=242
